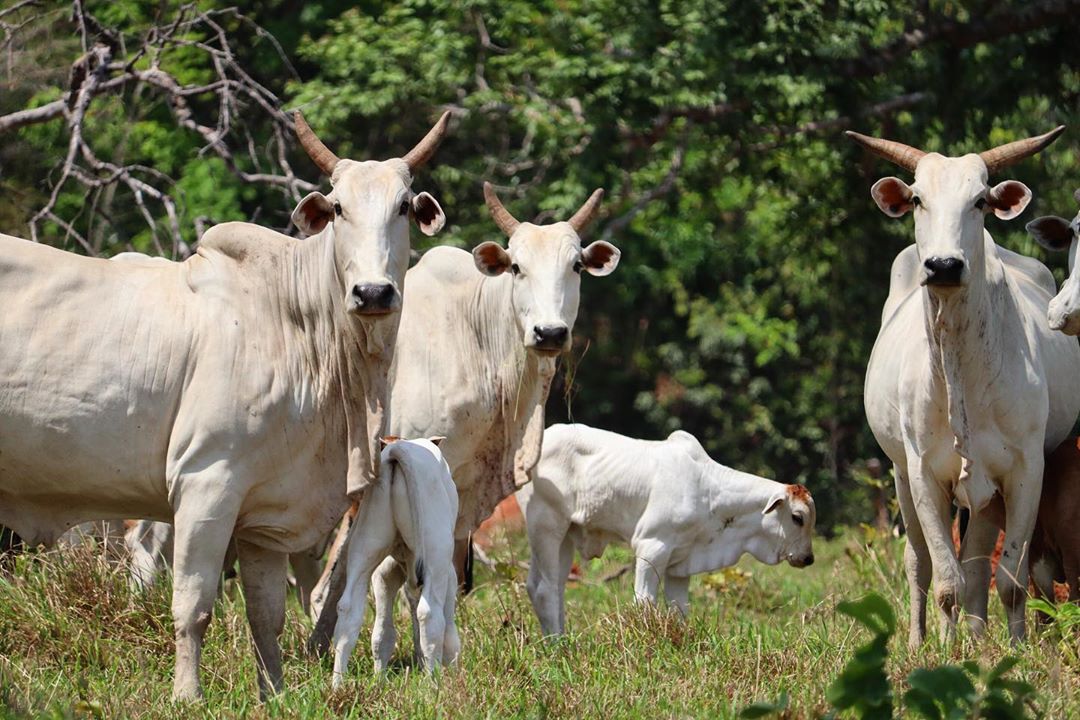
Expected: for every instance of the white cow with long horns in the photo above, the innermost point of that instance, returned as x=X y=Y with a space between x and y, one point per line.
x=967 y=386
x=1057 y=234
x=240 y=393
x=476 y=356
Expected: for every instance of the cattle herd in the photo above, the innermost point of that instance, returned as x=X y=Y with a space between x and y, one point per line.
x=241 y=403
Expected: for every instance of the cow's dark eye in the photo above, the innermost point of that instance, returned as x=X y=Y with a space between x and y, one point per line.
x=980 y=203
x=916 y=201
x=515 y=269
x=337 y=208
x=578 y=266
x=404 y=210
x=798 y=520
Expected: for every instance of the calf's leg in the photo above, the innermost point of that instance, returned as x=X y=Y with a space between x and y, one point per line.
x=677 y=592
x=975 y=551
x=385 y=583
x=651 y=565
x=547 y=568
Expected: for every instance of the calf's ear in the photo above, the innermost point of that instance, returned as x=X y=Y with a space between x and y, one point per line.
x=774 y=502
x=893 y=196
x=491 y=259
x=428 y=213
x=313 y=213
x=1008 y=199
x=600 y=258
x=437 y=440
x=1051 y=231
x=387 y=440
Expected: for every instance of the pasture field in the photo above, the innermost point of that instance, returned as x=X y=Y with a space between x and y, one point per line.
x=74 y=642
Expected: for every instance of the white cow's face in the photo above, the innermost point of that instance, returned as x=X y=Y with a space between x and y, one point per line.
x=950 y=198
x=790 y=516
x=1055 y=233
x=368 y=215
x=546 y=263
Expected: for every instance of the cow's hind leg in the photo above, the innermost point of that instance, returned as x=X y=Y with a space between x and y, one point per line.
x=916 y=561
x=204 y=521
x=975 y=550
x=263 y=574
x=385 y=583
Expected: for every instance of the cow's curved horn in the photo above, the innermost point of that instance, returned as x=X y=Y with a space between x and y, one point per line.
x=427 y=146
x=313 y=146
x=1009 y=153
x=502 y=217
x=587 y=212
x=903 y=155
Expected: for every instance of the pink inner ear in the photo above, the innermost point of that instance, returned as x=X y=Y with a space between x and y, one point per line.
x=316 y=213
x=493 y=257
x=1008 y=194
x=893 y=195
x=597 y=256
x=425 y=208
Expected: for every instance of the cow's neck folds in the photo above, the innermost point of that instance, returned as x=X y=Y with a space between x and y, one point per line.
x=962 y=327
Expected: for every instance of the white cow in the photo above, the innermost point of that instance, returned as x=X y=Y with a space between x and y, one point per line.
x=238 y=393
x=1056 y=233
x=477 y=354
x=408 y=515
x=681 y=513
x=967 y=386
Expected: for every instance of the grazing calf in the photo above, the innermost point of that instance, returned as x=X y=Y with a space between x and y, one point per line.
x=681 y=512
x=408 y=515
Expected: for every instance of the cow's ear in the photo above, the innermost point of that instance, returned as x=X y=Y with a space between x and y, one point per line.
x=1008 y=199
x=428 y=213
x=893 y=196
x=774 y=502
x=491 y=259
x=313 y=213
x=600 y=258
x=437 y=440
x=1052 y=232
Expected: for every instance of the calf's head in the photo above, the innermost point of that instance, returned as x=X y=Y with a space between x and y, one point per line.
x=367 y=213
x=546 y=262
x=790 y=516
x=1055 y=233
x=950 y=198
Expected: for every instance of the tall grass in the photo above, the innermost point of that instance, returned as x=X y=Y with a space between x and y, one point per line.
x=75 y=642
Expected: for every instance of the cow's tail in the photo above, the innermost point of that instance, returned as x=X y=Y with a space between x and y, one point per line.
x=407 y=471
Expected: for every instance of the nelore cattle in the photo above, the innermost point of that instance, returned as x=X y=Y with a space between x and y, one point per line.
x=967 y=386
x=240 y=392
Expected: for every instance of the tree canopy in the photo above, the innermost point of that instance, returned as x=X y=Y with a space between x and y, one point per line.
x=755 y=264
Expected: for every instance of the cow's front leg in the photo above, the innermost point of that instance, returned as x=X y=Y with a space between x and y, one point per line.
x=975 y=551
x=263 y=573
x=917 y=561
x=651 y=565
x=204 y=521
x=1022 y=493
x=933 y=508
x=677 y=592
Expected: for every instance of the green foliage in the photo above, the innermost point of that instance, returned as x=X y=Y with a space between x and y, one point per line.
x=944 y=692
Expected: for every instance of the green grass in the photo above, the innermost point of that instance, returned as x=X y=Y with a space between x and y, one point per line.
x=75 y=643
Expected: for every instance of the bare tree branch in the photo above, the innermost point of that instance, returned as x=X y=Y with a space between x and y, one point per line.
x=107 y=68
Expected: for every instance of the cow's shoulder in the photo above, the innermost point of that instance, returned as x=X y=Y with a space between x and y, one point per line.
x=1024 y=269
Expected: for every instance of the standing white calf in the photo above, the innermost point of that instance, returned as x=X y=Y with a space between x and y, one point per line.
x=681 y=512
x=409 y=515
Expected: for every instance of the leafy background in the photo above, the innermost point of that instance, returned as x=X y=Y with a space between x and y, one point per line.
x=754 y=262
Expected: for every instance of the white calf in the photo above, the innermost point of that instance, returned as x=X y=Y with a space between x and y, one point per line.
x=681 y=512
x=408 y=515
